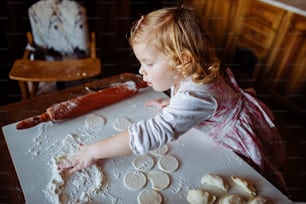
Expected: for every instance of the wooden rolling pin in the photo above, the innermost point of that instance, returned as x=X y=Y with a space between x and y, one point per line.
x=83 y=104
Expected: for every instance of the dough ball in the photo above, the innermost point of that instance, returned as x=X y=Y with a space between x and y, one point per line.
x=200 y=197
x=134 y=180
x=168 y=163
x=121 y=124
x=159 y=180
x=160 y=151
x=214 y=180
x=245 y=185
x=143 y=162
x=233 y=199
x=148 y=196
x=94 y=121
x=260 y=200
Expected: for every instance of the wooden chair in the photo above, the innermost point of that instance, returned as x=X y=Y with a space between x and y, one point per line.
x=58 y=29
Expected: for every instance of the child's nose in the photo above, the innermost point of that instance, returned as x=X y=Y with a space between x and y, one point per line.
x=141 y=71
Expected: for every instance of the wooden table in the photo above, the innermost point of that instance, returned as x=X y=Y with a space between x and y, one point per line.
x=10 y=190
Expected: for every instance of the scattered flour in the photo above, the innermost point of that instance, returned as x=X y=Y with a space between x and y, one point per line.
x=79 y=187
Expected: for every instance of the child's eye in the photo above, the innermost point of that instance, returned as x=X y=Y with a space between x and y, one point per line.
x=150 y=64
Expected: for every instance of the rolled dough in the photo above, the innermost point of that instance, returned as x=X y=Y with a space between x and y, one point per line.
x=159 y=180
x=134 y=180
x=143 y=162
x=121 y=124
x=168 y=163
x=160 y=151
x=148 y=196
x=94 y=121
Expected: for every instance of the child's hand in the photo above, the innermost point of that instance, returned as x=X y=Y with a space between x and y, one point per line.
x=82 y=159
x=159 y=103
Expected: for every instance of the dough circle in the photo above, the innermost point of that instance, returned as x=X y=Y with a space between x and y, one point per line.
x=168 y=163
x=148 y=196
x=134 y=180
x=160 y=151
x=159 y=180
x=121 y=124
x=94 y=121
x=143 y=162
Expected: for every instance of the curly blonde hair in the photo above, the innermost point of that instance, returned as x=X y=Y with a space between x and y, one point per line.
x=178 y=33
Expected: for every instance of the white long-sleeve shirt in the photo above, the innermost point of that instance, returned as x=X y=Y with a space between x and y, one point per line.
x=229 y=115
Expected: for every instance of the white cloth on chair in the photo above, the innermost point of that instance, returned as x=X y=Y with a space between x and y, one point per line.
x=60 y=25
x=60 y=31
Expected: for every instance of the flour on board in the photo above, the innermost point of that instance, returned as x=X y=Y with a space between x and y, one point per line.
x=79 y=187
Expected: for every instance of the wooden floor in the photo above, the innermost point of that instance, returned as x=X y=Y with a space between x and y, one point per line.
x=291 y=126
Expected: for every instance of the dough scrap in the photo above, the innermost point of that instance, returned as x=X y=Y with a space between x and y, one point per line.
x=245 y=185
x=94 y=121
x=160 y=151
x=214 y=180
x=200 y=197
x=233 y=199
x=148 y=196
x=159 y=180
x=121 y=124
x=134 y=180
x=259 y=200
x=143 y=162
x=168 y=163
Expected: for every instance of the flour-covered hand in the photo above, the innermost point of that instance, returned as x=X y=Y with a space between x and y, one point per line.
x=82 y=159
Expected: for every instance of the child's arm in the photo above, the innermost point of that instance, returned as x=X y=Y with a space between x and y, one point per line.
x=88 y=154
x=159 y=103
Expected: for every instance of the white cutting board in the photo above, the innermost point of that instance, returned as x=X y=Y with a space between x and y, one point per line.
x=31 y=148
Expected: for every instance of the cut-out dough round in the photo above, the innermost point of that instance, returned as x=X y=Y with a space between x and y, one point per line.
x=134 y=180
x=160 y=151
x=121 y=124
x=94 y=121
x=233 y=199
x=159 y=180
x=200 y=197
x=149 y=196
x=143 y=162
x=168 y=163
x=214 y=180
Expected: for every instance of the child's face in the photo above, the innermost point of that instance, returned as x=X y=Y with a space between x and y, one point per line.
x=155 y=68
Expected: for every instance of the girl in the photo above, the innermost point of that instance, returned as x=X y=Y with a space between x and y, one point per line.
x=175 y=52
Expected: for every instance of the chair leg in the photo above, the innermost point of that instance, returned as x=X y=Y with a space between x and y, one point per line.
x=32 y=87
x=24 y=89
x=28 y=89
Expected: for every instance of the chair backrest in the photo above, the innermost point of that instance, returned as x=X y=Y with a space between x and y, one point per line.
x=59 y=27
